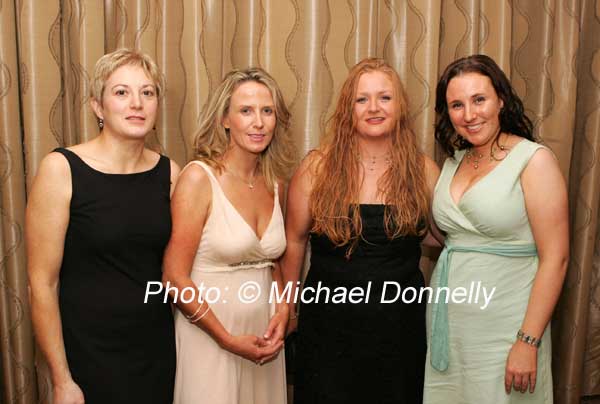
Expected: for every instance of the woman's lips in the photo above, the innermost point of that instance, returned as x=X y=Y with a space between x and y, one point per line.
x=375 y=120
x=474 y=128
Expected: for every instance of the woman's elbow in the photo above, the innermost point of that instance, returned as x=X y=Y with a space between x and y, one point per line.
x=168 y=277
x=558 y=264
x=564 y=264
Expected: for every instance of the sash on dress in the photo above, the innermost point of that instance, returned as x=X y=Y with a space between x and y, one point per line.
x=439 y=350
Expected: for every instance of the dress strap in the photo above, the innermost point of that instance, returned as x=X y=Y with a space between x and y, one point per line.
x=276 y=191
x=205 y=166
x=73 y=159
x=439 y=321
x=524 y=151
x=211 y=176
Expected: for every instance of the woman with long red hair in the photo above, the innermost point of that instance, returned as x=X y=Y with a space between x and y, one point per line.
x=363 y=201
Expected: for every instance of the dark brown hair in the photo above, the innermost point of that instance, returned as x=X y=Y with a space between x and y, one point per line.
x=512 y=115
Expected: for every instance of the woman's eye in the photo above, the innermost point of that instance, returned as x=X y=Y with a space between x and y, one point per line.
x=456 y=105
x=120 y=92
x=245 y=110
x=479 y=100
x=386 y=97
x=148 y=93
x=361 y=100
x=268 y=111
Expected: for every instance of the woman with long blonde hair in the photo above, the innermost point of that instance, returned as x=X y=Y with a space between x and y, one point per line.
x=227 y=234
x=363 y=200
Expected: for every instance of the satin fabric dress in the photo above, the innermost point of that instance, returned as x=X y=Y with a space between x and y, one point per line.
x=229 y=258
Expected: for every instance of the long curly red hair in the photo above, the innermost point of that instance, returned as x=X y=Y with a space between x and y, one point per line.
x=334 y=201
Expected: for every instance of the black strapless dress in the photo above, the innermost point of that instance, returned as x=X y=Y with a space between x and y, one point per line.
x=365 y=352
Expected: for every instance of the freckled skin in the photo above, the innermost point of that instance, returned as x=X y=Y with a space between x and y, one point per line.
x=374 y=107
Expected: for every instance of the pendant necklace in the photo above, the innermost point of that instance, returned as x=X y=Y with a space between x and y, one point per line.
x=371 y=161
x=250 y=183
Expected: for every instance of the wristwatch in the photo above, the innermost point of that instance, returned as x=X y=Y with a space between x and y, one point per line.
x=528 y=339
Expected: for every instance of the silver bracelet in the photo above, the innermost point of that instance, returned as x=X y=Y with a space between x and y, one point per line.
x=196 y=312
x=193 y=321
x=528 y=339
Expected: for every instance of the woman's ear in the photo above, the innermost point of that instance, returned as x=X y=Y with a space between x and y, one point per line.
x=97 y=108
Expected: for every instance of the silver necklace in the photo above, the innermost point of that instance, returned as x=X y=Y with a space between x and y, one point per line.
x=249 y=183
x=371 y=161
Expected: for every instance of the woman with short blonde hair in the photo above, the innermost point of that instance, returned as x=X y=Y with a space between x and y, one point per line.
x=97 y=223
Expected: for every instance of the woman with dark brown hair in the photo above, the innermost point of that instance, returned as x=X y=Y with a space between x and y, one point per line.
x=502 y=201
x=363 y=201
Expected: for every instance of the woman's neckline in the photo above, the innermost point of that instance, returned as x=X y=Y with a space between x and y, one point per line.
x=115 y=174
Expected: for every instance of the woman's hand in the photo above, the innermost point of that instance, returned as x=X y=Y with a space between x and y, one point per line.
x=292 y=325
x=253 y=348
x=277 y=326
x=68 y=393
x=521 y=368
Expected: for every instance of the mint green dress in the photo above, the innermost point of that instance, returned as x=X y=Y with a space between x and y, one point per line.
x=490 y=216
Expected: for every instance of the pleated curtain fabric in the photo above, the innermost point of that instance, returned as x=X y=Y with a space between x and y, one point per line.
x=550 y=49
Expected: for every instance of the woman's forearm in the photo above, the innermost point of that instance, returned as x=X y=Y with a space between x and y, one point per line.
x=45 y=316
x=291 y=266
x=544 y=295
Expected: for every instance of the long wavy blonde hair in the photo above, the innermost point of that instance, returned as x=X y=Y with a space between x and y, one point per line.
x=335 y=193
x=212 y=140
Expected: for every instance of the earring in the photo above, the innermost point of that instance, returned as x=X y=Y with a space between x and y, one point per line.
x=100 y=123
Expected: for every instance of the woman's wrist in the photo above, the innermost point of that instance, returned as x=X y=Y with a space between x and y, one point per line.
x=293 y=312
x=283 y=309
x=61 y=377
x=224 y=340
x=527 y=339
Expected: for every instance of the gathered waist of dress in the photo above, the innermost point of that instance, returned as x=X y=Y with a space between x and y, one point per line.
x=439 y=341
x=235 y=266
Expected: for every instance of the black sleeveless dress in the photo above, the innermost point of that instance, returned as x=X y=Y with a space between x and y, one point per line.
x=119 y=349
x=362 y=352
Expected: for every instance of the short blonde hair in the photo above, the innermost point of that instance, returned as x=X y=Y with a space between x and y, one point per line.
x=107 y=64
x=212 y=140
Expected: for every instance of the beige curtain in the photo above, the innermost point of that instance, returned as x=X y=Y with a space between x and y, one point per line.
x=549 y=48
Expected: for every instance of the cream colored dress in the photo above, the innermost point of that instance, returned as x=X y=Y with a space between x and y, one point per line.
x=229 y=256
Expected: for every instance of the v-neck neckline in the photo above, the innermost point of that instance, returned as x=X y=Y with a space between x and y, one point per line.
x=237 y=212
x=462 y=197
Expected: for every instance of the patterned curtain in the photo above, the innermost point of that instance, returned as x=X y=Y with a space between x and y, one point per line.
x=549 y=48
